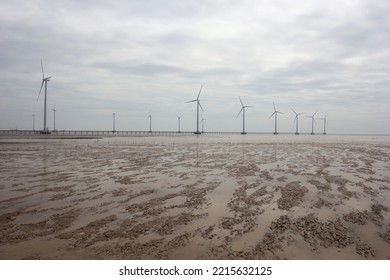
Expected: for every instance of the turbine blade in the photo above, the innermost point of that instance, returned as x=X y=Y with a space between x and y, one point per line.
x=191 y=101
x=294 y=111
x=240 y=111
x=242 y=104
x=272 y=115
x=248 y=106
x=199 y=92
x=39 y=94
x=274 y=106
x=279 y=112
x=43 y=74
x=200 y=106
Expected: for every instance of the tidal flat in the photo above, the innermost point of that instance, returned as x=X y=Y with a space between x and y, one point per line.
x=196 y=197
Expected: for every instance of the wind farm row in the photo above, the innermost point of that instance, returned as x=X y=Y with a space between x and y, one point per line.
x=199 y=119
x=243 y=107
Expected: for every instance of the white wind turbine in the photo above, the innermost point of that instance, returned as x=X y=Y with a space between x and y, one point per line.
x=276 y=118
x=44 y=82
x=324 y=119
x=203 y=124
x=178 y=120
x=296 y=121
x=243 y=115
x=197 y=110
x=33 y=116
x=150 y=121
x=113 y=122
x=312 y=122
x=54 y=112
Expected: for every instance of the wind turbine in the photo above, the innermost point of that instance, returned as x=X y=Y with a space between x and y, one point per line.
x=203 y=124
x=54 y=111
x=312 y=122
x=243 y=116
x=324 y=119
x=33 y=116
x=44 y=82
x=296 y=120
x=276 y=118
x=150 y=121
x=178 y=119
x=197 y=110
x=113 y=122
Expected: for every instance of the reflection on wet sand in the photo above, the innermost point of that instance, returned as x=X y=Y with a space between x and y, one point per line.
x=186 y=197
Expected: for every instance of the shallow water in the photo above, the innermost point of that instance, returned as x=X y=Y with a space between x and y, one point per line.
x=196 y=197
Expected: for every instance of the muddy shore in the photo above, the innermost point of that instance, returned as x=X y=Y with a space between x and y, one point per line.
x=187 y=197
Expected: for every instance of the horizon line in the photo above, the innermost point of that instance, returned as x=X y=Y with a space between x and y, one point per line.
x=186 y=132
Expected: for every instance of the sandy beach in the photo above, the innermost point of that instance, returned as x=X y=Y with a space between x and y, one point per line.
x=188 y=197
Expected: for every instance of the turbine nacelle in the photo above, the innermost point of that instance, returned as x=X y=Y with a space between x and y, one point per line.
x=296 y=114
x=312 y=117
x=274 y=113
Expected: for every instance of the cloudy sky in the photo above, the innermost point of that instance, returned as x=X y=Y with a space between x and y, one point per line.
x=135 y=57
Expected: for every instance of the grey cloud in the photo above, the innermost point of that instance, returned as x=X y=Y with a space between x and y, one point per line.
x=123 y=53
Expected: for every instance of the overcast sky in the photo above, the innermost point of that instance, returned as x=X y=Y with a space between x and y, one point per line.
x=136 y=57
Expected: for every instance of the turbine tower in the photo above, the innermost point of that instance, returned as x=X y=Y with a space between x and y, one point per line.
x=33 y=116
x=178 y=119
x=296 y=120
x=324 y=119
x=44 y=82
x=312 y=122
x=150 y=121
x=54 y=112
x=113 y=122
x=276 y=118
x=197 y=110
x=203 y=124
x=243 y=115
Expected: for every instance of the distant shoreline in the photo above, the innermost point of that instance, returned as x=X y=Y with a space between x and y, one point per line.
x=97 y=134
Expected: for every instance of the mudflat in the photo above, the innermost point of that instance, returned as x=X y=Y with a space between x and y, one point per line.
x=196 y=197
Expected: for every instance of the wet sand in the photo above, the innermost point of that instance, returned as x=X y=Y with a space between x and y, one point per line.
x=188 y=197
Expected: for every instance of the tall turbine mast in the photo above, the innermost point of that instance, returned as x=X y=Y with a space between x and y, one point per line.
x=197 y=100
x=113 y=122
x=178 y=119
x=312 y=122
x=296 y=120
x=203 y=124
x=33 y=116
x=276 y=112
x=54 y=112
x=150 y=121
x=243 y=115
x=44 y=82
x=324 y=119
